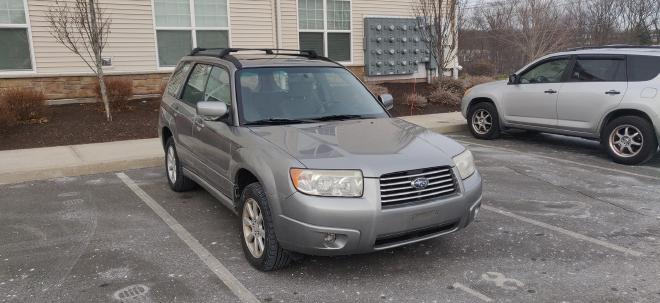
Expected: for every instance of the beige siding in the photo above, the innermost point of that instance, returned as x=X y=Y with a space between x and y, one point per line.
x=252 y=23
x=289 y=13
x=131 y=42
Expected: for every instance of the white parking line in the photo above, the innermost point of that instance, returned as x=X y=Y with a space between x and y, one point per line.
x=216 y=266
x=560 y=160
x=564 y=231
x=473 y=292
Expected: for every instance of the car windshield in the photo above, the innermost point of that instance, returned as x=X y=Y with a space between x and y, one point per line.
x=303 y=95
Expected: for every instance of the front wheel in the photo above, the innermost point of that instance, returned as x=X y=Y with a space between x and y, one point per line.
x=630 y=140
x=484 y=121
x=260 y=244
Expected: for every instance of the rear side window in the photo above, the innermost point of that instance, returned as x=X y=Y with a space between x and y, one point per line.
x=177 y=79
x=598 y=70
x=643 y=68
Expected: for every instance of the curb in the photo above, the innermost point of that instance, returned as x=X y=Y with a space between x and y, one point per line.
x=79 y=170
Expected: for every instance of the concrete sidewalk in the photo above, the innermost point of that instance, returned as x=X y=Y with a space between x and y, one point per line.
x=61 y=161
x=75 y=160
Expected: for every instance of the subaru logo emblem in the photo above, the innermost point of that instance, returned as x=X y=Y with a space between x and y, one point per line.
x=420 y=183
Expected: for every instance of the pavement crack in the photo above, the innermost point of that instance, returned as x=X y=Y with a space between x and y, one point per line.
x=577 y=192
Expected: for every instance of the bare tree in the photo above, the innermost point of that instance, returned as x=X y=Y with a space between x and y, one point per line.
x=438 y=23
x=83 y=27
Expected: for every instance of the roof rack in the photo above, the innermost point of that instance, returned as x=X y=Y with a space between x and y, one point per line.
x=225 y=53
x=615 y=46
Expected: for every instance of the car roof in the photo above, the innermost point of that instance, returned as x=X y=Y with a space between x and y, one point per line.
x=651 y=50
x=252 y=58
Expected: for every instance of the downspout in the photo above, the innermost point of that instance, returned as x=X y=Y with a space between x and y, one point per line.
x=278 y=25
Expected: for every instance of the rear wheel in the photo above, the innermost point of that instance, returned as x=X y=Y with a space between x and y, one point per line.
x=260 y=244
x=484 y=121
x=177 y=180
x=630 y=140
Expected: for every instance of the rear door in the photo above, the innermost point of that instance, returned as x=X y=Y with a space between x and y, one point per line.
x=533 y=101
x=596 y=84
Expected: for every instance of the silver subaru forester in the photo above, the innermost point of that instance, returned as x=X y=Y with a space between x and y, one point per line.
x=308 y=158
x=608 y=93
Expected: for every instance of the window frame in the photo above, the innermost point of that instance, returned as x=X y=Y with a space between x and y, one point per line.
x=28 y=27
x=193 y=28
x=325 y=29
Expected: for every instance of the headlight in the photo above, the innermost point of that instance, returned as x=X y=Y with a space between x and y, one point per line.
x=465 y=164
x=331 y=183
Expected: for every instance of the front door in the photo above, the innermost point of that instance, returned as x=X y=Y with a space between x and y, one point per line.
x=213 y=138
x=533 y=101
x=596 y=85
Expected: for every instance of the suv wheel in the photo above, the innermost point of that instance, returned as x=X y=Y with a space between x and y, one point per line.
x=484 y=121
x=259 y=242
x=175 y=177
x=630 y=140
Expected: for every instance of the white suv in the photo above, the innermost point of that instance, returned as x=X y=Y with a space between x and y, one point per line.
x=608 y=93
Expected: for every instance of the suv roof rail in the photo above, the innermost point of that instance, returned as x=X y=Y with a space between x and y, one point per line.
x=224 y=52
x=615 y=46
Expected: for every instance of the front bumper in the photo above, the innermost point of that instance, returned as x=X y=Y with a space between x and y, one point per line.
x=341 y=226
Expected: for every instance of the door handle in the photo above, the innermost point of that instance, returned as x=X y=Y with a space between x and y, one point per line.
x=199 y=122
x=612 y=92
x=550 y=91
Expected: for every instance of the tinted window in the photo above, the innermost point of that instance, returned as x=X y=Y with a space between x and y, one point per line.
x=643 y=68
x=217 y=88
x=303 y=93
x=193 y=92
x=177 y=78
x=547 y=72
x=595 y=69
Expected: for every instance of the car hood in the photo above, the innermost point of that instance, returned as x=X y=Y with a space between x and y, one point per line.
x=376 y=146
x=489 y=85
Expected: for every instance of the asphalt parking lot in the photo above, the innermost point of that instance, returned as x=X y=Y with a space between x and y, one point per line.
x=560 y=223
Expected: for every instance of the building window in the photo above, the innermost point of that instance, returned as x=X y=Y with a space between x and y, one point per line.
x=15 y=53
x=325 y=26
x=182 y=25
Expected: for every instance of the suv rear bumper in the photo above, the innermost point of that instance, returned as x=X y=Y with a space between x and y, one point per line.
x=360 y=225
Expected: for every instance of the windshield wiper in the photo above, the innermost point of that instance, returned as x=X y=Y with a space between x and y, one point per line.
x=338 y=117
x=279 y=121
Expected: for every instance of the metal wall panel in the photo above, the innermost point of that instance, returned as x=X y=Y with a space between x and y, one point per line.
x=393 y=46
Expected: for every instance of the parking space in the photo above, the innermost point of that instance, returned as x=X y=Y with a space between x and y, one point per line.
x=561 y=223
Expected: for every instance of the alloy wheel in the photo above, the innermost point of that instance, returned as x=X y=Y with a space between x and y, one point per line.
x=482 y=121
x=171 y=164
x=253 y=228
x=626 y=141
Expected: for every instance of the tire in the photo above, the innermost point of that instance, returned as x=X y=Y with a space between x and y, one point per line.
x=629 y=140
x=174 y=170
x=272 y=256
x=484 y=121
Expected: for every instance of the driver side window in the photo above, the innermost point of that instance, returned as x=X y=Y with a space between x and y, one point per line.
x=547 y=72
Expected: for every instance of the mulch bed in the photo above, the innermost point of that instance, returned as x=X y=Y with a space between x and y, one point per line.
x=400 y=90
x=85 y=123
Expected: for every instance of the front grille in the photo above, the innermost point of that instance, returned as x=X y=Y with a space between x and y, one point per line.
x=396 y=188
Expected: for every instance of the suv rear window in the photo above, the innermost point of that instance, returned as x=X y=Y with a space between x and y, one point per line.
x=643 y=68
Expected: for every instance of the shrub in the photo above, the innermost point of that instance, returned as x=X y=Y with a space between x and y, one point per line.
x=416 y=100
x=471 y=81
x=377 y=89
x=450 y=85
x=119 y=90
x=441 y=96
x=482 y=68
x=22 y=104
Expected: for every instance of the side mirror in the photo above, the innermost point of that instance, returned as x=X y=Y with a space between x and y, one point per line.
x=211 y=110
x=387 y=100
x=514 y=79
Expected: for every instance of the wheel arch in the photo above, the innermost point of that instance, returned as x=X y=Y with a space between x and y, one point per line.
x=478 y=100
x=165 y=134
x=624 y=112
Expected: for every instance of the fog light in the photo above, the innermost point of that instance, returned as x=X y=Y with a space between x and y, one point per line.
x=329 y=238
